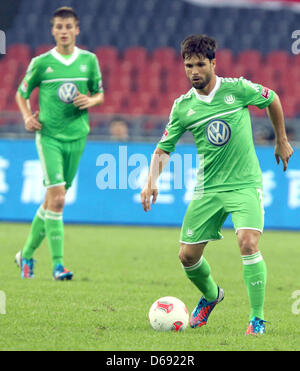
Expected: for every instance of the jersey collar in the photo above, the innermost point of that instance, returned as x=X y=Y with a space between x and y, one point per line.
x=63 y=60
x=208 y=98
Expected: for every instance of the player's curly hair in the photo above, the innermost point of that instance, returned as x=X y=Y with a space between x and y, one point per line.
x=198 y=44
x=65 y=12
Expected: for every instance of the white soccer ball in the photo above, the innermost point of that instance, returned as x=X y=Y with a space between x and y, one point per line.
x=168 y=314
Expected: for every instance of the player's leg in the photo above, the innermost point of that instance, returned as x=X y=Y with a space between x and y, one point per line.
x=254 y=270
x=198 y=270
x=51 y=153
x=71 y=153
x=202 y=223
x=54 y=223
x=248 y=221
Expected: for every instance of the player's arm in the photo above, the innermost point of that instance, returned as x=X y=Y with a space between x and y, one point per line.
x=160 y=157
x=95 y=87
x=31 y=120
x=159 y=160
x=83 y=101
x=283 y=149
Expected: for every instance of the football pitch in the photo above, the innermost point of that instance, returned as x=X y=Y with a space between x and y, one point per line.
x=120 y=271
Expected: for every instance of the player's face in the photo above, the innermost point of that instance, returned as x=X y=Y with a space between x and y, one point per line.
x=64 y=31
x=199 y=71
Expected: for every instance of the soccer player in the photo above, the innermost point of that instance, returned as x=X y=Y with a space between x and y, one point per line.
x=69 y=82
x=229 y=180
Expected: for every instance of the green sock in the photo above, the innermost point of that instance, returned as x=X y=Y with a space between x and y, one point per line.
x=255 y=277
x=55 y=235
x=36 y=235
x=199 y=274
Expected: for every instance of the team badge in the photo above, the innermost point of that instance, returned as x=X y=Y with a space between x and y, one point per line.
x=218 y=132
x=229 y=99
x=67 y=92
x=83 y=68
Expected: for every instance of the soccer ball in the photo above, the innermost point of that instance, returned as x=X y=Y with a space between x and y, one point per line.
x=168 y=314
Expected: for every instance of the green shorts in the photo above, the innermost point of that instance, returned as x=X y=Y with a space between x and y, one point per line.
x=59 y=160
x=205 y=217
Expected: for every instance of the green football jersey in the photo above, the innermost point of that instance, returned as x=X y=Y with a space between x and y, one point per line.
x=221 y=126
x=59 y=79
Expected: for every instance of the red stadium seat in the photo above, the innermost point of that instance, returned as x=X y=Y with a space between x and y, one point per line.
x=290 y=106
x=255 y=111
x=107 y=55
x=19 y=51
x=165 y=56
x=225 y=62
x=43 y=49
x=252 y=59
x=278 y=59
x=138 y=55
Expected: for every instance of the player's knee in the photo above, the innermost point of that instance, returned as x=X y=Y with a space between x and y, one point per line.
x=57 y=202
x=186 y=257
x=248 y=244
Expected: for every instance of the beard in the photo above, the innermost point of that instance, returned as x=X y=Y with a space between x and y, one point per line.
x=201 y=84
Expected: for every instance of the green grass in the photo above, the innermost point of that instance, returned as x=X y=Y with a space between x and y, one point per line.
x=119 y=272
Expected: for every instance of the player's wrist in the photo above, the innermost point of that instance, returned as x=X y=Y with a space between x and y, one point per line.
x=27 y=118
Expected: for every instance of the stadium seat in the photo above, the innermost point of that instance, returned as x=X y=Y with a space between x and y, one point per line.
x=224 y=62
x=278 y=59
x=19 y=51
x=250 y=59
x=136 y=55
x=43 y=49
x=164 y=55
x=107 y=55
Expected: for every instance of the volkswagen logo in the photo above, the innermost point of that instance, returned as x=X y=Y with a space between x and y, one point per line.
x=67 y=92
x=218 y=132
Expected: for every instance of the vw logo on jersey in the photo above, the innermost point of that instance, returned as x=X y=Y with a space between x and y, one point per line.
x=67 y=92
x=218 y=132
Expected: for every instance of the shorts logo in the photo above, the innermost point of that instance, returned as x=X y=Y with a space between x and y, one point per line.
x=67 y=92
x=189 y=232
x=218 y=132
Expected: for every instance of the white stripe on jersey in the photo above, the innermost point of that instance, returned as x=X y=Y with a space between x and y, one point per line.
x=215 y=116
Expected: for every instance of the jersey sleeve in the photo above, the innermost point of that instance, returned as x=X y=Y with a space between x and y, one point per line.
x=31 y=79
x=173 y=131
x=256 y=94
x=95 y=80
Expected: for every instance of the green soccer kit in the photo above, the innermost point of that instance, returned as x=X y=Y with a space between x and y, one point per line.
x=221 y=126
x=59 y=79
x=61 y=141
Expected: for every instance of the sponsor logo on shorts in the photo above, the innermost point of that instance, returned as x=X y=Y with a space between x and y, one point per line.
x=218 y=132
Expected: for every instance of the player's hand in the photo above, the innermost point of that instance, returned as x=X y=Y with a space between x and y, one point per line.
x=32 y=122
x=82 y=101
x=146 y=195
x=283 y=151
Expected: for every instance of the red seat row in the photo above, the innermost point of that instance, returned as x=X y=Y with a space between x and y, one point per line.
x=140 y=82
